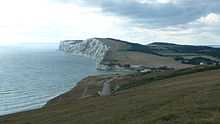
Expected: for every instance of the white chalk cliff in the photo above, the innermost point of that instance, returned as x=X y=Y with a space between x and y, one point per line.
x=94 y=48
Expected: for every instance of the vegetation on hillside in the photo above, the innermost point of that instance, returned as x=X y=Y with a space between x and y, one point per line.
x=175 y=48
x=119 y=54
x=197 y=61
x=189 y=96
x=166 y=75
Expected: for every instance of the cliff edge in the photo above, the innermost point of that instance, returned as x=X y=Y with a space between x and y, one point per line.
x=113 y=54
x=93 y=48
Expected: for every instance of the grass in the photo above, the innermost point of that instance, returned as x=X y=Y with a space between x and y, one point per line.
x=168 y=74
x=140 y=58
x=186 y=97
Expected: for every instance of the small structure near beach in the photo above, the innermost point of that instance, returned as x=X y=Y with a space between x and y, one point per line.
x=106 y=89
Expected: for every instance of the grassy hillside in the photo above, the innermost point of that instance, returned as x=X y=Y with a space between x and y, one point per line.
x=122 y=54
x=189 y=96
x=186 y=51
x=165 y=47
x=156 y=55
x=125 y=53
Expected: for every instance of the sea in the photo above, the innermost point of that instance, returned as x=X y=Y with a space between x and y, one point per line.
x=215 y=46
x=32 y=74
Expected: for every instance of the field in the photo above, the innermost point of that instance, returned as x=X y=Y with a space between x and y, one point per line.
x=157 y=55
x=149 y=60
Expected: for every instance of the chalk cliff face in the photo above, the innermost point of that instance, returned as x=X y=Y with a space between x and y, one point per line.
x=94 y=48
x=117 y=55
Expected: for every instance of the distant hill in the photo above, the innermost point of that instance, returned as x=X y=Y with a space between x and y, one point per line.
x=187 y=49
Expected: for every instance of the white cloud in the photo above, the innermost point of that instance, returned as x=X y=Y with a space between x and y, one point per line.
x=48 y=21
x=166 y=1
x=158 y=1
x=44 y=21
x=210 y=19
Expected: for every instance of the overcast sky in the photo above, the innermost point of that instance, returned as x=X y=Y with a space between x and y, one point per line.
x=143 y=21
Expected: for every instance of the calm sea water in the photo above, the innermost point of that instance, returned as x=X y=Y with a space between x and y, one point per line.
x=215 y=46
x=30 y=75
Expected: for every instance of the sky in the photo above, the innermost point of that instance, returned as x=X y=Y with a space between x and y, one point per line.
x=195 y=22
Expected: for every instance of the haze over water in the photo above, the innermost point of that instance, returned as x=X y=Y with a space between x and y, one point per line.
x=30 y=75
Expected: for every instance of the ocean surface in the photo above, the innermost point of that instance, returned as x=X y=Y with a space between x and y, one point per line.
x=30 y=75
x=215 y=46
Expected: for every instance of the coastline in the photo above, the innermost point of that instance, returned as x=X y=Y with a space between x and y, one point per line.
x=31 y=77
x=89 y=88
x=137 y=96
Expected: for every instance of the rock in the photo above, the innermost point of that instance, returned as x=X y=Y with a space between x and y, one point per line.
x=93 y=48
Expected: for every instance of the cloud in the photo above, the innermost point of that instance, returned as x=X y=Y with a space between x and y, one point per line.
x=157 y=1
x=157 y=13
x=178 y=21
x=142 y=21
x=210 y=19
x=166 y=1
x=46 y=21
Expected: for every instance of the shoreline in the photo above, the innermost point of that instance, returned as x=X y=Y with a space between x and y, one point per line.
x=103 y=73
x=88 y=92
x=135 y=91
x=46 y=74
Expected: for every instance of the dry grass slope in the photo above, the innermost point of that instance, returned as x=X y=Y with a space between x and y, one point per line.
x=184 y=99
x=135 y=54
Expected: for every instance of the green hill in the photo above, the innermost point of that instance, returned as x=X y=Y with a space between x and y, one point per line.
x=114 y=54
x=176 y=49
x=158 y=54
x=189 y=96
